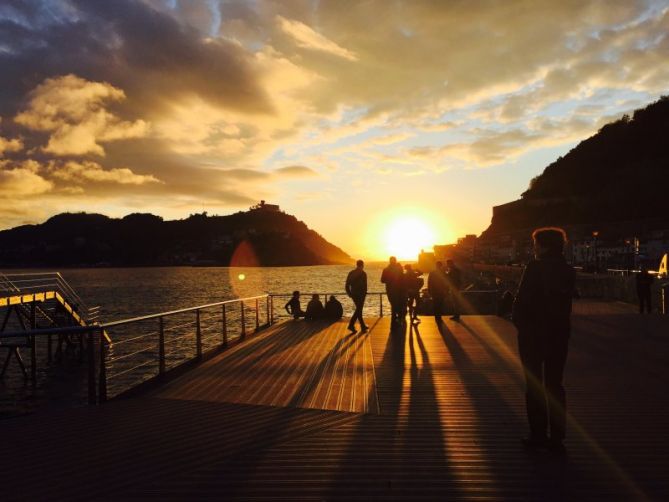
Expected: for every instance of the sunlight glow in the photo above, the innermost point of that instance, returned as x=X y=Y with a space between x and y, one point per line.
x=405 y=236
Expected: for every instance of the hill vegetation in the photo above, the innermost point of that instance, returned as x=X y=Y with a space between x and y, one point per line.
x=620 y=174
x=251 y=238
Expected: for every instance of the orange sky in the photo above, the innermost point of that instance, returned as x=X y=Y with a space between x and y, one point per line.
x=350 y=115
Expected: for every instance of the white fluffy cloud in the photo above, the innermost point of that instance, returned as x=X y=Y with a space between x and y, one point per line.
x=73 y=111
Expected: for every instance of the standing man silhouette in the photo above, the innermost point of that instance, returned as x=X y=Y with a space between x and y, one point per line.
x=438 y=288
x=412 y=284
x=541 y=312
x=454 y=276
x=644 y=281
x=393 y=277
x=356 y=288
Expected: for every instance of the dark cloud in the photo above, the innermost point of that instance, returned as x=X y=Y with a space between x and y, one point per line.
x=147 y=53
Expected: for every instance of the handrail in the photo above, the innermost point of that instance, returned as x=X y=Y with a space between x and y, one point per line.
x=104 y=326
x=179 y=311
x=104 y=357
x=29 y=282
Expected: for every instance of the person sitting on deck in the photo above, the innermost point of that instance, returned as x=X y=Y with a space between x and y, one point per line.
x=333 y=309
x=293 y=306
x=315 y=309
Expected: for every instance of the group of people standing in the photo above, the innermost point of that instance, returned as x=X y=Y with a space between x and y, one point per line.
x=541 y=314
x=403 y=287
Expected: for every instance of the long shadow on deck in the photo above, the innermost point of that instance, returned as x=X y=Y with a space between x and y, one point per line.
x=245 y=467
x=500 y=430
x=399 y=452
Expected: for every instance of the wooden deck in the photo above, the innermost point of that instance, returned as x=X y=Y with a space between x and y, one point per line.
x=311 y=412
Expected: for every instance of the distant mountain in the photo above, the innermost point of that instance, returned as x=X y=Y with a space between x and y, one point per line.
x=616 y=179
x=258 y=237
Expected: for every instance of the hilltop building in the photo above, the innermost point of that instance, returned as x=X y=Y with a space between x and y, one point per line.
x=263 y=206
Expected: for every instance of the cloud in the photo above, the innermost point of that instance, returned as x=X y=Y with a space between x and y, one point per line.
x=10 y=145
x=81 y=172
x=73 y=111
x=307 y=38
x=244 y=174
x=233 y=89
x=295 y=172
x=21 y=182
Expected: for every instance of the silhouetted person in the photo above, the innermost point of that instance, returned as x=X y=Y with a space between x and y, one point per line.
x=293 y=306
x=454 y=276
x=541 y=312
x=333 y=309
x=412 y=284
x=356 y=289
x=438 y=288
x=315 y=309
x=505 y=304
x=393 y=277
x=644 y=281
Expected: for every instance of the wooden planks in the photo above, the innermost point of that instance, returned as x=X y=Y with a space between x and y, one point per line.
x=294 y=364
x=447 y=417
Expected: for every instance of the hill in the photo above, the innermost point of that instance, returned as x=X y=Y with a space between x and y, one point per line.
x=252 y=238
x=617 y=178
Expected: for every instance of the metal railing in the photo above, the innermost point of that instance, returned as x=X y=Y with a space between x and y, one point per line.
x=147 y=347
x=37 y=282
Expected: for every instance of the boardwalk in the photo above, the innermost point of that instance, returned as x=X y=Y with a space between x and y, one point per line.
x=311 y=412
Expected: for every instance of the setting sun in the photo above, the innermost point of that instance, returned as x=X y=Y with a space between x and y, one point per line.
x=406 y=236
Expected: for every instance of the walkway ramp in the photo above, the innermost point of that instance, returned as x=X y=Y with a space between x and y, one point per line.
x=444 y=414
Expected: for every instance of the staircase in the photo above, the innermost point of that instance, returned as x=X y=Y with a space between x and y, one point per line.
x=38 y=301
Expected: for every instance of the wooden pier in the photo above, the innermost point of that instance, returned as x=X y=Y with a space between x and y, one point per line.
x=306 y=411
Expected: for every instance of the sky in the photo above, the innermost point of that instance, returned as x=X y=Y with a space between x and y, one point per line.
x=385 y=125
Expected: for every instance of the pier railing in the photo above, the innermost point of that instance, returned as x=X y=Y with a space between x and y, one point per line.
x=14 y=286
x=146 y=348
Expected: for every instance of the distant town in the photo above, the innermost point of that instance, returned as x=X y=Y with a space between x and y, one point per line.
x=590 y=249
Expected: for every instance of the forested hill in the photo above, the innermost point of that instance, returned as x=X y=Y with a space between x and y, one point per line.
x=256 y=237
x=619 y=174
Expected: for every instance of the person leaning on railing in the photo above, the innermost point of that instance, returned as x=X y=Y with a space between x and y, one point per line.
x=293 y=306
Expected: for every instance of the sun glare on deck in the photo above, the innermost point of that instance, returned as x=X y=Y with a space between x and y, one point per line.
x=405 y=237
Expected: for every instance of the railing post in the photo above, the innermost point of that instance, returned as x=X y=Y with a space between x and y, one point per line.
x=257 y=318
x=161 y=346
x=198 y=335
x=243 y=335
x=380 y=304
x=91 y=368
x=103 y=369
x=33 y=344
x=267 y=306
x=225 y=326
x=271 y=309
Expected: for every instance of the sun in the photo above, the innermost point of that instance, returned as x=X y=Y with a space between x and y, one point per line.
x=405 y=236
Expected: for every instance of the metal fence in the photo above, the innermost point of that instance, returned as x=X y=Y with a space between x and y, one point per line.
x=147 y=347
